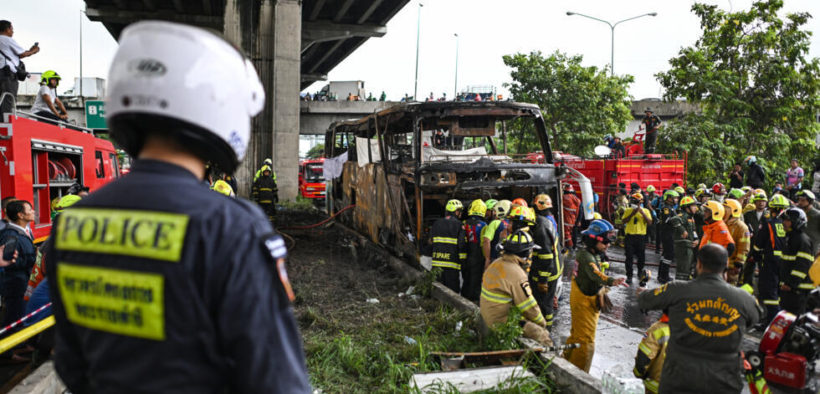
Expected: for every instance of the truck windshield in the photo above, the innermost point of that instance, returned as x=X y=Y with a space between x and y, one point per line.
x=313 y=173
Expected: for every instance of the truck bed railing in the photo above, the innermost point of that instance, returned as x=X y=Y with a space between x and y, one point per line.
x=28 y=115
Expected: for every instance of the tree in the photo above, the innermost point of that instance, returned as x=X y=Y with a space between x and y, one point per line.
x=580 y=105
x=316 y=152
x=757 y=89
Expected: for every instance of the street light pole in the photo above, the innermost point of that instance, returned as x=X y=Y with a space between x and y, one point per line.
x=418 y=31
x=455 y=85
x=612 y=35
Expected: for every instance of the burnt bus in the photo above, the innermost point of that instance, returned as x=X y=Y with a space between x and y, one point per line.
x=405 y=162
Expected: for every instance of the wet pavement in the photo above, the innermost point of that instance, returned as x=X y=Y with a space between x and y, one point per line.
x=620 y=331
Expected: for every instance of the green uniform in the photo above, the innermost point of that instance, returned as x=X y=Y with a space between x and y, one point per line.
x=684 y=247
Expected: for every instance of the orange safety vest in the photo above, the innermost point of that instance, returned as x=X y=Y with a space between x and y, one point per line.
x=718 y=233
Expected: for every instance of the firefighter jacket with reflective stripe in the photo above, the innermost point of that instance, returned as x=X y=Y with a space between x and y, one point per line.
x=544 y=266
x=651 y=354
x=449 y=243
x=503 y=286
x=769 y=242
x=571 y=204
x=665 y=213
x=796 y=261
x=473 y=227
x=161 y=286
x=707 y=321
x=740 y=235
x=590 y=278
x=265 y=191
x=716 y=233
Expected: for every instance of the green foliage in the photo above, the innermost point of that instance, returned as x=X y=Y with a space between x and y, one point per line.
x=505 y=336
x=758 y=91
x=580 y=104
x=316 y=152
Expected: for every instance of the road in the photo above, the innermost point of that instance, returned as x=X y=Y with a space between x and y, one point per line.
x=620 y=331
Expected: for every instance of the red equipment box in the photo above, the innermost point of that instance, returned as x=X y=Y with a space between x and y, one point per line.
x=788 y=369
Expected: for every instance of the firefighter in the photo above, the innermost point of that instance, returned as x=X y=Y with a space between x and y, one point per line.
x=666 y=234
x=653 y=202
x=715 y=230
x=490 y=215
x=652 y=353
x=741 y=237
x=269 y=163
x=196 y=294
x=769 y=243
x=546 y=267
x=223 y=188
x=521 y=218
x=795 y=283
x=495 y=232
x=586 y=285
x=707 y=320
x=620 y=204
x=753 y=220
x=505 y=285
x=685 y=237
x=636 y=218
x=449 y=245
x=571 y=205
x=265 y=193
x=473 y=268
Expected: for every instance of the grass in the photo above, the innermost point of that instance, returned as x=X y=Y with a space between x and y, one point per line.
x=381 y=355
x=300 y=204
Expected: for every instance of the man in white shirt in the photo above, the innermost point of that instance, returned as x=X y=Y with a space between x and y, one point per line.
x=10 y=54
x=46 y=103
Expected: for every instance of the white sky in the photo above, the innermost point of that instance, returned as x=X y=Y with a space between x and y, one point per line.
x=487 y=30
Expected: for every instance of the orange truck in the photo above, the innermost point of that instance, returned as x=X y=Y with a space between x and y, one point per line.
x=41 y=161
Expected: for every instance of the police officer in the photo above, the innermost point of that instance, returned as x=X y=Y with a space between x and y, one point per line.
x=666 y=233
x=449 y=245
x=685 y=237
x=707 y=318
x=546 y=267
x=769 y=243
x=636 y=218
x=474 y=265
x=505 y=285
x=160 y=286
x=795 y=283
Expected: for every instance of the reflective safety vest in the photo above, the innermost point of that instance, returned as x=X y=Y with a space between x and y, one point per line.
x=796 y=262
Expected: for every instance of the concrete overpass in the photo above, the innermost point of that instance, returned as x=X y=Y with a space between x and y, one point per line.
x=287 y=62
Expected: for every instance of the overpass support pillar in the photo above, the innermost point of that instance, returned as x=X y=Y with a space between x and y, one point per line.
x=267 y=32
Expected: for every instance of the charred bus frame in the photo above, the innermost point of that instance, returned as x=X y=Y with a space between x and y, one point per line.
x=403 y=183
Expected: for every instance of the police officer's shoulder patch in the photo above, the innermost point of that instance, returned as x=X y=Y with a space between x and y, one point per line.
x=275 y=244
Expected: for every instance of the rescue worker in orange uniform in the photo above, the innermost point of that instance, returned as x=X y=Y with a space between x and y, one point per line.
x=586 y=285
x=715 y=230
x=740 y=235
x=449 y=246
x=505 y=285
x=546 y=267
x=571 y=204
x=652 y=353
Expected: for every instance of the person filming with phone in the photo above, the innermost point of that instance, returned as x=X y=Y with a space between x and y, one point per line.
x=12 y=70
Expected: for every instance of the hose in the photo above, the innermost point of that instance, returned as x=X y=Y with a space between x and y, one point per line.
x=320 y=223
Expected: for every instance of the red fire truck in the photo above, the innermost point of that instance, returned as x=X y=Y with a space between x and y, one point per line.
x=607 y=171
x=311 y=179
x=41 y=161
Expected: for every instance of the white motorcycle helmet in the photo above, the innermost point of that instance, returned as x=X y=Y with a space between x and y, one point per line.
x=188 y=82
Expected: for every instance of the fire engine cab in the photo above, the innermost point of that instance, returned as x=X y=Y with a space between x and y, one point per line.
x=311 y=179
x=40 y=161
